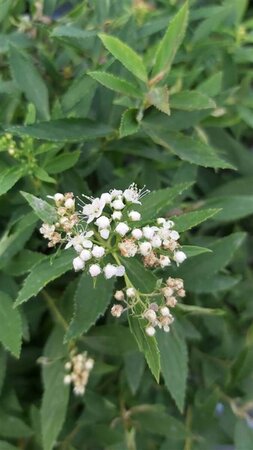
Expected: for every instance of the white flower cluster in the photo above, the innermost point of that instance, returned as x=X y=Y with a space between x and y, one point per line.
x=78 y=369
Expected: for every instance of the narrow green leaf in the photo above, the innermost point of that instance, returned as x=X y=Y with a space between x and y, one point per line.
x=134 y=368
x=126 y=55
x=191 y=219
x=11 y=329
x=69 y=33
x=170 y=43
x=243 y=435
x=62 y=162
x=91 y=302
x=42 y=175
x=45 y=271
x=62 y=130
x=9 y=177
x=13 y=427
x=116 y=84
x=191 y=101
x=232 y=207
x=29 y=80
x=129 y=124
x=194 y=250
x=42 y=209
x=174 y=364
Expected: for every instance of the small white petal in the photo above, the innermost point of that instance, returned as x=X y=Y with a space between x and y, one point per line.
x=98 y=251
x=150 y=331
x=118 y=204
x=179 y=257
x=137 y=233
x=106 y=197
x=78 y=263
x=110 y=271
x=134 y=215
x=102 y=222
x=104 y=233
x=120 y=271
x=122 y=228
x=94 y=270
x=85 y=255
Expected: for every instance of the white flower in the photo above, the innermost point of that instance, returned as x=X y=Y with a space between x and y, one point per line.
x=134 y=215
x=115 y=193
x=166 y=328
x=150 y=315
x=109 y=271
x=47 y=230
x=131 y=292
x=179 y=257
x=145 y=248
x=174 y=235
x=117 y=310
x=78 y=248
x=67 y=365
x=94 y=209
x=116 y=215
x=106 y=197
x=165 y=311
x=94 y=270
x=89 y=364
x=78 y=263
x=85 y=255
x=164 y=261
x=67 y=379
x=58 y=197
x=161 y=220
x=69 y=203
x=87 y=243
x=164 y=233
x=122 y=228
x=156 y=242
x=128 y=248
x=133 y=194
x=169 y=224
x=148 y=232
x=120 y=271
x=150 y=331
x=102 y=222
x=118 y=204
x=104 y=233
x=119 y=295
x=97 y=251
x=78 y=239
x=137 y=233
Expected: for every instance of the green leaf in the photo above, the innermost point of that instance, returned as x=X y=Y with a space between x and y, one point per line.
x=45 y=271
x=134 y=369
x=215 y=283
x=191 y=101
x=243 y=435
x=232 y=208
x=56 y=393
x=42 y=175
x=189 y=220
x=23 y=262
x=116 y=84
x=193 y=250
x=62 y=130
x=126 y=55
x=29 y=81
x=13 y=427
x=170 y=43
x=42 y=209
x=159 y=97
x=9 y=177
x=11 y=329
x=70 y=32
x=91 y=302
x=62 y=162
x=3 y=366
x=174 y=364
x=188 y=148
x=129 y=124
x=6 y=446
x=157 y=202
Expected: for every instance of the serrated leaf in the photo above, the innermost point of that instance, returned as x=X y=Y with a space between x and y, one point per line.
x=62 y=162
x=9 y=177
x=11 y=328
x=170 y=43
x=126 y=55
x=129 y=124
x=29 y=80
x=70 y=32
x=174 y=364
x=189 y=220
x=191 y=101
x=116 y=83
x=23 y=262
x=91 y=302
x=42 y=209
x=45 y=271
x=187 y=148
x=159 y=97
x=62 y=130
x=157 y=202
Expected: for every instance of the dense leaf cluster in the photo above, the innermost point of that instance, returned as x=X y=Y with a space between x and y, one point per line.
x=96 y=95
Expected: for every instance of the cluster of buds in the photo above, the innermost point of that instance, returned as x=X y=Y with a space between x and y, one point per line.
x=7 y=143
x=66 y=219
x=78 y=367
x=157 y=314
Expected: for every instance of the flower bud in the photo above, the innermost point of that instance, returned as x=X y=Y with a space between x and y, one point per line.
x=106 y=197
x=122 y=228
x=148 y=232
x=102 y=222
x=165 y=311
x=120 y=271
x=94 y=270
x=97 y=251
x=164 y=261
x=131 y=292
x=145 y=248
x=137 y=233
x=119 y=295
x=150 y=315
x=116 y=215
x=78 y=263
x=104 y=233
x=58 y=197
x=118 y=204
x=85 y=255
x=117 y=310
x=67 y=379
x=179 y=257
x=134 y=215
x=109 y=271
x=69 y=203
x=150 y=331
x=174 y=235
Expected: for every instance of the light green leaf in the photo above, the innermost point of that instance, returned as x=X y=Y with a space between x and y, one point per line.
x=56 y=393
x=159 y=97
x=42 y=209
x=69 y=33
x=62 y=130
x=191 y=101
x=193 y=250
x=45 y=271
x=199 y=310
x=42 y=175
x=174 y=364
x=170 y=43
x=11 y=329
x=232 y=208
x=129 y=124
x=29 y=80
x=62 y=162
x=188 y=148
x=126 y=55
x=191 y=219
x=116 y=84
x=243 y=435
x=9 y=177
x=91 y=302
